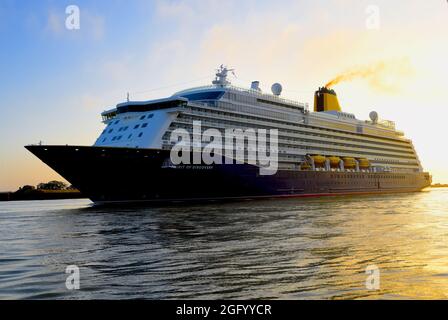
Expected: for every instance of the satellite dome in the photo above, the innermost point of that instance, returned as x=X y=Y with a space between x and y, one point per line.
x=276 y=89
x=373 y=116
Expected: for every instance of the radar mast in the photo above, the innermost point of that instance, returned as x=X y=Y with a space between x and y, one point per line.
x=221 y=76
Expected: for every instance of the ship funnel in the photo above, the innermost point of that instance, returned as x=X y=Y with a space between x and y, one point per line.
x=326 y=100
x=255 y=85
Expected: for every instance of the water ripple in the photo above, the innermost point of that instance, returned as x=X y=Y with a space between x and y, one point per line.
x=277 y=249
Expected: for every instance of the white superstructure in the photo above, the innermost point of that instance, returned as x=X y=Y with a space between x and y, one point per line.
x=148 y=124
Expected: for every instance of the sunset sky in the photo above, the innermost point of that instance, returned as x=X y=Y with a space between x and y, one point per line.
x=55 y=82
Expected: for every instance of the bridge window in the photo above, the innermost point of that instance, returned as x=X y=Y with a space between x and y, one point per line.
x=211 y=95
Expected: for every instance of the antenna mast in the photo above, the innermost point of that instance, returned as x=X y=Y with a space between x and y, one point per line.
x=221 y=76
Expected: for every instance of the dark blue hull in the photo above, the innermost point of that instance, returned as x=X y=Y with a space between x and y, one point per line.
x=132 y=175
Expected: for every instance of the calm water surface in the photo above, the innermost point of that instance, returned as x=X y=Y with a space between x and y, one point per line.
x=287 y=249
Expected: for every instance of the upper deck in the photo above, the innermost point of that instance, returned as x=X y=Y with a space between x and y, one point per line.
x=252 y=102
x=200 y=93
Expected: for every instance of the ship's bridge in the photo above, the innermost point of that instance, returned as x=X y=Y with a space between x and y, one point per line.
x=151 y=105
x=201 y=94
x=144 y=106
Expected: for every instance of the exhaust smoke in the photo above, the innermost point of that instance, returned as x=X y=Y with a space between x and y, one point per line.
x=384 y=76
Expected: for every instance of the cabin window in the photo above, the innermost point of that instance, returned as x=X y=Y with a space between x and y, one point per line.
x=142 y=117
x=110 y=130
x=119 y=137
x=150 y=116
x=116 y=122
x=136 y=126
x=140 y=134
x=144 y=125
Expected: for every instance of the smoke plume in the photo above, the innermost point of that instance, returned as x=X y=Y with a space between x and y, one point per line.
x=384 y=76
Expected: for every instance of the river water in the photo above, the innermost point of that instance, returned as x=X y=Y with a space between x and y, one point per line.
x=315 y=248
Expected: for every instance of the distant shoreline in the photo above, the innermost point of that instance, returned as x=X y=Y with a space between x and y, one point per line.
x=41 y=195
x=439 y=185
x=75 y=194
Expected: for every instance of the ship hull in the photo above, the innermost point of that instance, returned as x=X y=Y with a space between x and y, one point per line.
x=121 y=175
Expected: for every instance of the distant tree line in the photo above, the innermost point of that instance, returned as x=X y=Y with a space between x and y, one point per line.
x=51 y=185
x=52 y=190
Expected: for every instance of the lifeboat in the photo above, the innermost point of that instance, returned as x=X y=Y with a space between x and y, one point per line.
x=305 y=166
x=319 y=161
x=349 y=163
x=364 y=163
x=334 y=161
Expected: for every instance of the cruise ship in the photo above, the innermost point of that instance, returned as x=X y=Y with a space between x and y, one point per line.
x=322 y=152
